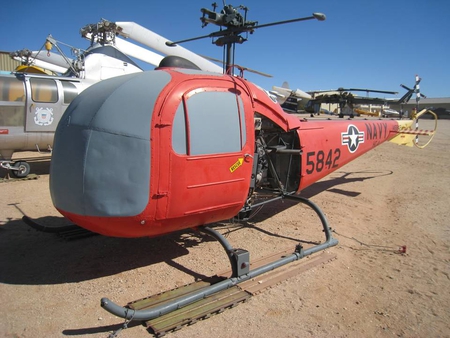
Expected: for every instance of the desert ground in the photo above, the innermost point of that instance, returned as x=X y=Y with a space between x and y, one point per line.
x=391 y=197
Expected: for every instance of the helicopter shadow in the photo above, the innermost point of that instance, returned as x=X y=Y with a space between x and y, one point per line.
x=30 y=257
x=329 y=185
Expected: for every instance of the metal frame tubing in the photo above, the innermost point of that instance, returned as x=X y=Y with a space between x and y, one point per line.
x=157 y=311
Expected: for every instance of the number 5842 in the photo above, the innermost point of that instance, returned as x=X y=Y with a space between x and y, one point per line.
x=317 y=161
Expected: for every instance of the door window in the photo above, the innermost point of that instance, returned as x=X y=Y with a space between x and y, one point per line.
x=12 y=89
x=70 y=91
x=12 y=102
x=43 y=90
x=209 y=123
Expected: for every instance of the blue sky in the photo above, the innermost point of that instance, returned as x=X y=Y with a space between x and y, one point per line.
x=361 y=44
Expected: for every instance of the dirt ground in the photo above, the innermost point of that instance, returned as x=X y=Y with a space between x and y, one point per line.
x=390 y=197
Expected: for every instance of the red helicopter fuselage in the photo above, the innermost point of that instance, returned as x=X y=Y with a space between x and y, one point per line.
x=150 y=153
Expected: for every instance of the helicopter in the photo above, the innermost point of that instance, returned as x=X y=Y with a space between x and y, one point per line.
x=35 y=96
x=32 y=101
x=194 y=148
x=296 y=101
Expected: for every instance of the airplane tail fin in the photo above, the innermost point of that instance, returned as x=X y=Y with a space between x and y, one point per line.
x=409 y=136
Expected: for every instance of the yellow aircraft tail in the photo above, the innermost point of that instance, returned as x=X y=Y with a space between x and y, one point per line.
x=407 y=136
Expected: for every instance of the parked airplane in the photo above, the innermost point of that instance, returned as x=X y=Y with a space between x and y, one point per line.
x=388 y=112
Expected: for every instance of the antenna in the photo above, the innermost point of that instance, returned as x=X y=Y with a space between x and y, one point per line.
x=235 y=24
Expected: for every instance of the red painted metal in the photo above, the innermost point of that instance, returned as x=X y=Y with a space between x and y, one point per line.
x=328 y=145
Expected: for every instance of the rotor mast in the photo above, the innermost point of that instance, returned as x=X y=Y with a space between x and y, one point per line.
x=234 y=24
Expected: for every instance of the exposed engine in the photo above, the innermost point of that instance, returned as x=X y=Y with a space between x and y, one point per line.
x=276 y=165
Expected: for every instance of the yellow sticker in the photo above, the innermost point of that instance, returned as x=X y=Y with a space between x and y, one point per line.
x=236 y=165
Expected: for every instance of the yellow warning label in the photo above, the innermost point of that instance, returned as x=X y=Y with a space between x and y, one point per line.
x=236 y=165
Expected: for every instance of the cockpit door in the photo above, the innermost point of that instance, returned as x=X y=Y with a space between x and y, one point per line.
x=44 y=106
x=207 y=165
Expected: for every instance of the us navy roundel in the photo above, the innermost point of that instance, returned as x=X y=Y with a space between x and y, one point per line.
x=352 y=138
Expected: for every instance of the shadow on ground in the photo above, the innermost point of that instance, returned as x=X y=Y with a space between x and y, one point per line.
x=328 y=184
x=31 y=257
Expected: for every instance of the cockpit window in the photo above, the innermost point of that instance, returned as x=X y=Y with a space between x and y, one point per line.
x=209 y=123
x=43 y=90
x=70 y=91
x=12 y=89
x=179 y=143
x=12 y=102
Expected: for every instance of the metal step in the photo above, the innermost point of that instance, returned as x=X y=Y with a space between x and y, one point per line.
x=187 y=315
x=275 y=277
x=222 y=300
x=202 y=309
x=166 y=296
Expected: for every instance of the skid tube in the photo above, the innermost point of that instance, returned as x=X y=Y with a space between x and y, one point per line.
x=240 y=267
x=52 y=229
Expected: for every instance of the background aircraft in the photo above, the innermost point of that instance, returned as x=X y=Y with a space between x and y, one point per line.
x=298 y=101
x=343 y=97
x=291 y=100
x=32 y=101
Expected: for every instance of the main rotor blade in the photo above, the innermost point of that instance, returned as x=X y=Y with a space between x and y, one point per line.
x=369 y=90
x=412 y=91
x=253 y=71
x=172 y=44
x=237 y=66
x=403 y=86
x=340 y=90
x=240 y=29
x=318 y=16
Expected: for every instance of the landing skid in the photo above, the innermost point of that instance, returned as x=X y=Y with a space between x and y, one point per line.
x=240 y=267
x=68 y=232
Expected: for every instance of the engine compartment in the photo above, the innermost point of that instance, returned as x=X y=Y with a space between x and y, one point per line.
x=276 y=164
